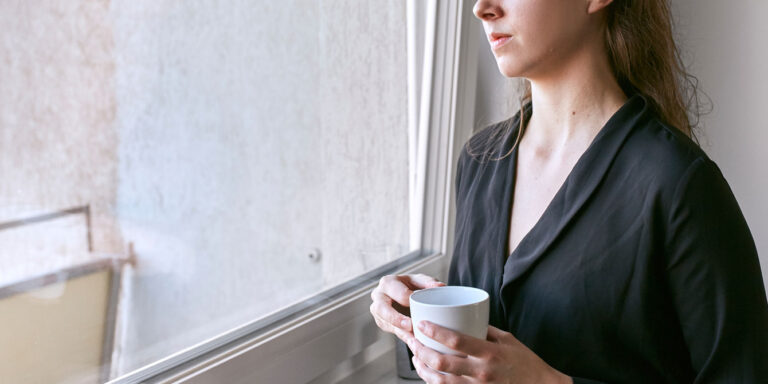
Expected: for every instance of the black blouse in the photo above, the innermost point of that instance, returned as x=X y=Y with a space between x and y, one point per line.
x=641 y=269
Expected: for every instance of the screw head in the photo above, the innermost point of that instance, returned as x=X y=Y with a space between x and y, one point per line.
x=315 y=255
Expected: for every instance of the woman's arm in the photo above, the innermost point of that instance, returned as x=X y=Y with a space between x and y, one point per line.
x=714 y=276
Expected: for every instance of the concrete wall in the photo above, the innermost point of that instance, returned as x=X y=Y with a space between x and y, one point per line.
x=250 y=135
x=225 y=140
x=724 y=45
x=57 y=138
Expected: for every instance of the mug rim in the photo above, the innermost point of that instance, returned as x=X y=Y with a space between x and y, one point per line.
x=482 y=291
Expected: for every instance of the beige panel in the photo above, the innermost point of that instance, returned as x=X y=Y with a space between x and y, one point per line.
x=55 y=334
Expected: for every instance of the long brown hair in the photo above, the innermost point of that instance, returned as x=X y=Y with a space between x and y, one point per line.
x=644 y=59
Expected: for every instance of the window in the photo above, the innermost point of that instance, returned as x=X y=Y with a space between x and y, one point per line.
x=173 y=172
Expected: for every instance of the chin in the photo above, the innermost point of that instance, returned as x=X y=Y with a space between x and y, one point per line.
x=509 y=70
x=512 y=68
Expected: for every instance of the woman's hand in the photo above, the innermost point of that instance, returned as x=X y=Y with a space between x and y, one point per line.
x=499 y=359
x=390 y=307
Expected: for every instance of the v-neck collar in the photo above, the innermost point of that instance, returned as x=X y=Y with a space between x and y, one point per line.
x=578 y=186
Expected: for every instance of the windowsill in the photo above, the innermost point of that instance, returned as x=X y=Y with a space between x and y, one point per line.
x=381 y=370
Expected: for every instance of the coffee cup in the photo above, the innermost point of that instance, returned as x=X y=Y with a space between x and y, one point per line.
x=459 y=308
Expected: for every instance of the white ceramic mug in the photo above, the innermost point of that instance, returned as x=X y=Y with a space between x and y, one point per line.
x=462 y=309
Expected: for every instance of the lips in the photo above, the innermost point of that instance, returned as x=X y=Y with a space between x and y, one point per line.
x=498 y=39
x=493 y=36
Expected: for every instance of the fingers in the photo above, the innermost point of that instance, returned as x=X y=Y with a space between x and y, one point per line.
x=457 y=341
x=391 y=298
x=387 y=327
x=393 y=287
x=428 y=374
x=455 y=365
x=420 y=281
x=405 y=336
x=400 y=287
x=382 y=308
x=431 y=376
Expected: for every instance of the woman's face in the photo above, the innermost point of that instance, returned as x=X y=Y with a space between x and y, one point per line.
x=543 y=34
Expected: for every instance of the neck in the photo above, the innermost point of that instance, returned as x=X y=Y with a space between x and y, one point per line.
x=575 y=102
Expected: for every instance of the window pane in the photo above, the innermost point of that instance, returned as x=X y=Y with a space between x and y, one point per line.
x=248 y=154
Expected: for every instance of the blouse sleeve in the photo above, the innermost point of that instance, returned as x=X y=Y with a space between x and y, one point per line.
x=581 y=380
x=713 y=273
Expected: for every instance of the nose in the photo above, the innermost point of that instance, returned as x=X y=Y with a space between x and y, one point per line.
x=487 y=10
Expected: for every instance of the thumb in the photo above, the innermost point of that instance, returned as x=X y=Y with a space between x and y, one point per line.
x=497 y=335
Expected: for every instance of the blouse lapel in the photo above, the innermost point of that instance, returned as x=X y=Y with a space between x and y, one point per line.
x=580 y=184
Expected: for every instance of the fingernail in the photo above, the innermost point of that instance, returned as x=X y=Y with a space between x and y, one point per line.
x=404 y=323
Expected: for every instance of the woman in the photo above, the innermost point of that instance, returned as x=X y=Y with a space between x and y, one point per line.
x=611 y=245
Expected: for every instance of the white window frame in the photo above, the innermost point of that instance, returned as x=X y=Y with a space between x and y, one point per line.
x=304 y=341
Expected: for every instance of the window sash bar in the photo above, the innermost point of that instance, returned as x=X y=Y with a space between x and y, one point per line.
x=258 y=328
